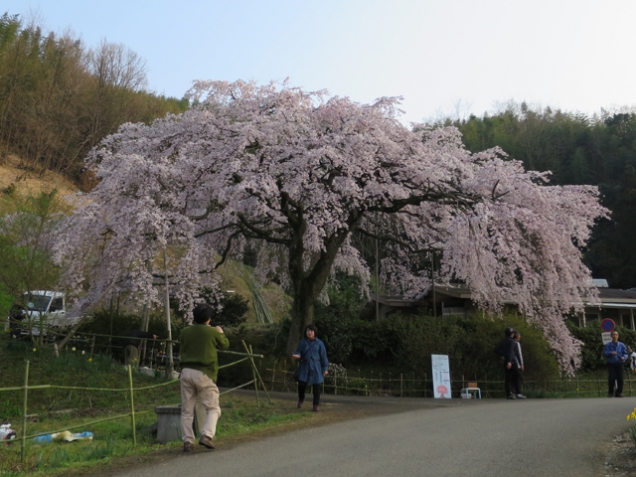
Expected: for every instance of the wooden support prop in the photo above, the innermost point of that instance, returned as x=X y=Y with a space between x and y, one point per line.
x=256 y=370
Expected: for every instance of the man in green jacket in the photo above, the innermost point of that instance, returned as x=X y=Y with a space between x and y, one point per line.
x=199 y=368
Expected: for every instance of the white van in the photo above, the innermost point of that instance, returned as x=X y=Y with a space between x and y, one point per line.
x=42 y=308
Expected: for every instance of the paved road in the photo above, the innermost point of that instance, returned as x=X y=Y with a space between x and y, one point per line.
x=460 y=438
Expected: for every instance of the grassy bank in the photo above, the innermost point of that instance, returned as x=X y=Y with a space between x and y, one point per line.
x=51 y=410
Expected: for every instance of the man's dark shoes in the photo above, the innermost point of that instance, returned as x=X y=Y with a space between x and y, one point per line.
x=300 y=404
x=206 y=441
x=316 y=408
x=187 y=447
x=619 y=395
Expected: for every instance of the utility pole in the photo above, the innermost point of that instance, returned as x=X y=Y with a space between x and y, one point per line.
x=433 y=284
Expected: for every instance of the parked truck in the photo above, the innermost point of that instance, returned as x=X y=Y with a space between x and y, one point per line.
x=38 y=311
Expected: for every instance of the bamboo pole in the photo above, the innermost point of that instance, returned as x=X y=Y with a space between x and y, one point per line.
x=24 y=413
x=132 y=406
x=254 y=377
x=170 y=364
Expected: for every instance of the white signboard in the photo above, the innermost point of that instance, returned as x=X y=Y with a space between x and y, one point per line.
x=441 y=376
x=606 y=337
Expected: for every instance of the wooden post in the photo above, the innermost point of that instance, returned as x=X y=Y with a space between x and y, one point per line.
x=274 y=374
x=425 y=380
x=132 y=406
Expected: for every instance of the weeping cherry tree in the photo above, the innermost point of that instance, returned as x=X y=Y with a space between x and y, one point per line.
x=292 y=175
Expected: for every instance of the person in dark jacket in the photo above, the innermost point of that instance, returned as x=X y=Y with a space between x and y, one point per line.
x=615 y=354
x=517 y=366
x=314 y=365
x=132 y=343
x=506 y=350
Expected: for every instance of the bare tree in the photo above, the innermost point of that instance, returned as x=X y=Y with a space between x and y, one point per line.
x=114 y=64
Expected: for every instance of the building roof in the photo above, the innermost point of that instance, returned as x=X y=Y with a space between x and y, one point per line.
x=609 y=297
x=615 y=298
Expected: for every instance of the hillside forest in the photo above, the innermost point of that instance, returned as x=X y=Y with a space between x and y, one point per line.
x=59 y=98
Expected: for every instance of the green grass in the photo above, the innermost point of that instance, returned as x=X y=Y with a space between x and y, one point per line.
x=113 y=440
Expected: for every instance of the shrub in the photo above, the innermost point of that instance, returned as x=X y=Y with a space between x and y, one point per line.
x=407 y=342
x=469 y=342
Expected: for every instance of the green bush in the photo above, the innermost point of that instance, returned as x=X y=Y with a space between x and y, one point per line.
x=407 y=343
x=480 y=335
x=374 y=341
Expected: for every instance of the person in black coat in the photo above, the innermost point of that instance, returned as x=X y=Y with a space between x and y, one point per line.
x=517 y=366
x=132 y=343
x=506 y=350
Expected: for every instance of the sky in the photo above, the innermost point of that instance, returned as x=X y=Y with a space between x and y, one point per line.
x=444 y=57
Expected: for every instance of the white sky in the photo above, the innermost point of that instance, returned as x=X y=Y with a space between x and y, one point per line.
x=577 y=55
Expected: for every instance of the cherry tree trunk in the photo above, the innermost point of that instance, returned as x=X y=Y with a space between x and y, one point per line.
x=308 y=284
x=302 y=314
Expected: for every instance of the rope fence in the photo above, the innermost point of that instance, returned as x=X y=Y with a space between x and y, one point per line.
x=130 y=390
x=356 y=382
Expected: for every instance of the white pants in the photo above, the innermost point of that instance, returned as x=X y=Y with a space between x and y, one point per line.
x=195 y=384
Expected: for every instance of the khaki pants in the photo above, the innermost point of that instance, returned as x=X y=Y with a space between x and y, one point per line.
x=195 y=384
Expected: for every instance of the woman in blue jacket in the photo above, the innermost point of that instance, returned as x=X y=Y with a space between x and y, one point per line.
x=313 y=365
